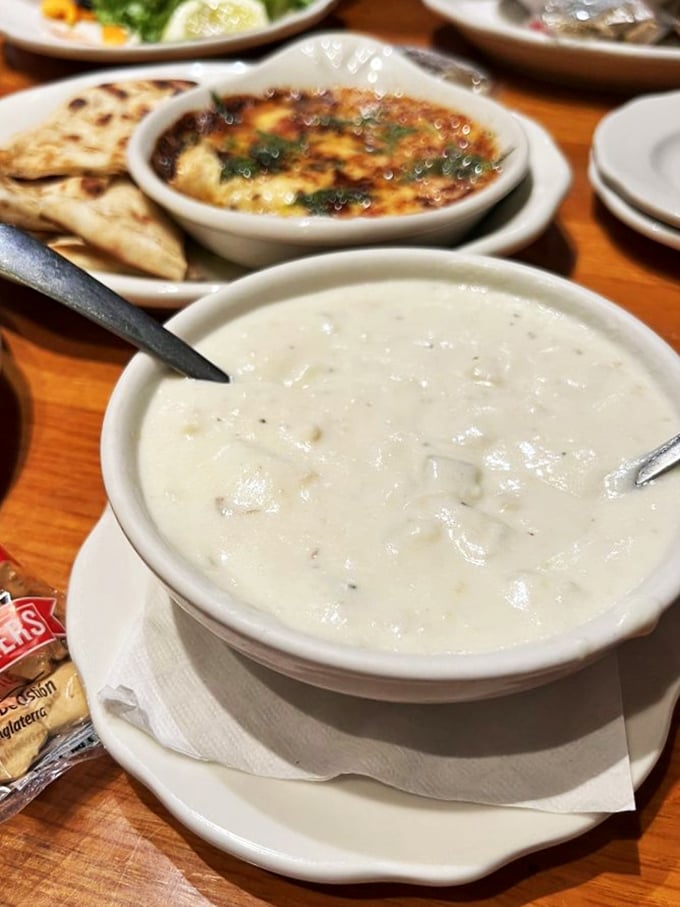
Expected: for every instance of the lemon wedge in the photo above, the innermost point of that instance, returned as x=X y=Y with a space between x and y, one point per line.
x=209 y=18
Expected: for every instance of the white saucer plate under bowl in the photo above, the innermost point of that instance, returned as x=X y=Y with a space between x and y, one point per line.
x=23 y=23
x=499 y=29
x=512 y=224
x=637 y=149
x=376 y=833
x=629 y=215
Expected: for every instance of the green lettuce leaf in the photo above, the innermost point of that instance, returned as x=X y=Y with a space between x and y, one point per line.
x=148 y=19
x=145 y=19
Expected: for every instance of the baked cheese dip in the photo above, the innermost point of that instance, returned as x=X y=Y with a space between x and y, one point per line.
x=448 y=477
x=342 y=152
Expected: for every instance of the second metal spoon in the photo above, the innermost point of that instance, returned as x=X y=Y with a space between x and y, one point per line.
x=29 y=261
x=659 y=461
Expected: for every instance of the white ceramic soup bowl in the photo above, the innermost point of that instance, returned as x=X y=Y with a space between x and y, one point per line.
x=350 y=668
x=314 y=63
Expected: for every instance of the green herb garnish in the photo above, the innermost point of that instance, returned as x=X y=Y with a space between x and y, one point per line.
x=277 y=8
x=223 y=110
x=330 y=201
x=271 y=153
x=453 y=163
x=392 y=133
x=232 y=166
x=145 y=19
x=339 y=124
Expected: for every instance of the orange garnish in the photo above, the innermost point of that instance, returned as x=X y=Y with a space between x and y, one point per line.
x=65 y=10
x=114 y=34
x=70 y=13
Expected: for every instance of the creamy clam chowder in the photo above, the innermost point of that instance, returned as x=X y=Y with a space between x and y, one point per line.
x=413 y=466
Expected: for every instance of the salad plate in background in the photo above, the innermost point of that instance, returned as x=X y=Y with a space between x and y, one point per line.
x=24 y=24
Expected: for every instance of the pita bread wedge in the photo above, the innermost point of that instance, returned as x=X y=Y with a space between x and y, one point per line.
x=114 y=216
x=88 y=134
x=20 y=205
x=87 y=257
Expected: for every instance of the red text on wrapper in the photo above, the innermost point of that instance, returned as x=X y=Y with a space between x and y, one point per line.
x=26 y=624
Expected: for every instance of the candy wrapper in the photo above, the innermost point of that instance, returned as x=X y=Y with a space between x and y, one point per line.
x=45 y=725
x=630 y=21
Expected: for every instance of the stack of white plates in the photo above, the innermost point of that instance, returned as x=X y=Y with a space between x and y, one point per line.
x=635 y=165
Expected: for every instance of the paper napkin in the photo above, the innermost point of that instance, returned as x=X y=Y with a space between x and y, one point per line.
x=561 y=747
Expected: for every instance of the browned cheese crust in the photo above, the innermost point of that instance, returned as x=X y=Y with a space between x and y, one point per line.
x=343 y=152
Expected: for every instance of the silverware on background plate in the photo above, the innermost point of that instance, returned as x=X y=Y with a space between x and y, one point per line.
x=455 y=69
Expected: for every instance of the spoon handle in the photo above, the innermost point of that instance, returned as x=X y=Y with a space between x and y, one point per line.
x=455 y=69
x=659 y=460
x=29 y=261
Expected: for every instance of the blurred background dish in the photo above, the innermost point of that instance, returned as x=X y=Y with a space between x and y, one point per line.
x=637 y=220
x=23 y=24
x=636 y=148
x=498 y=28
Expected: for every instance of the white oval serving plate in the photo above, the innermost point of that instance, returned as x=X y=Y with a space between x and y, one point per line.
x=513 y=223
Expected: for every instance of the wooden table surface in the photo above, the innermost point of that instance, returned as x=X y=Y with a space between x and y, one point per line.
x=98 y=837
